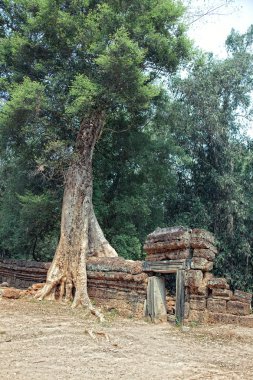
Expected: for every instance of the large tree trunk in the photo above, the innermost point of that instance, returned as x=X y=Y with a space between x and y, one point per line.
x=81 y=234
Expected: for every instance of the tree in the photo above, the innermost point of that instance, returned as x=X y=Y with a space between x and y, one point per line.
x=209 y=116
x=67 y=66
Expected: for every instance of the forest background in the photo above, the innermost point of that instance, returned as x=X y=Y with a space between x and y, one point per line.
x=185 y=160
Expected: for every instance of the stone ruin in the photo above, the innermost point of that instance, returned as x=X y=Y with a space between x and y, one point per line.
x=113 y=283
x=135 y=288
x=190 y=254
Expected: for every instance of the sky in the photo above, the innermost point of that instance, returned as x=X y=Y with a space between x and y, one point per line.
x=210 y=32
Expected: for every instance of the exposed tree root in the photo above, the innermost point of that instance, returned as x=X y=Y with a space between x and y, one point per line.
x=61 y=291
x=98 y=245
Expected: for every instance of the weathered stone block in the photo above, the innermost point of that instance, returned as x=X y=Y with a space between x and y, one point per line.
x=37 y=286
x=169 y=255
x=242 y=296
x=193 y=279
x=202 y=264
x=216 y=305
x=197 y=243
x=222 y=293
x=196 y=297
x=11 y=293
x=169 y=233
x=246 y=321
x=202 y=290
x=218 y=282
x=207 y=277
x=166 y=239
x=170 y=304
x=198 y=303
x=4 y=285
x=165 y=246
x=238 y=308
x=205 y=253
x=201 y=239
x=200 y=316
x=203 y=234
x=223 y=318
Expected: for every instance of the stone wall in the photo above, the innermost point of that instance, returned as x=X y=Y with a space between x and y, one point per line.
x=112 y=283
x=22 y=274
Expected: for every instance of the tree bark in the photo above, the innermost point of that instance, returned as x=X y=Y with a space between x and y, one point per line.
x=81 y=234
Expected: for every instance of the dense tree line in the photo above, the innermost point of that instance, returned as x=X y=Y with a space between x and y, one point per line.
x=180 y=157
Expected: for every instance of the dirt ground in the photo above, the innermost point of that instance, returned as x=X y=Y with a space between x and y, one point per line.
x=44 y=341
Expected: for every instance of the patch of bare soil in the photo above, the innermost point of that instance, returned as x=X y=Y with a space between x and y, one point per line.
x=43 y=340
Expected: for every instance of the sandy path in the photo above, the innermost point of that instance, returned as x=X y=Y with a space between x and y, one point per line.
x=44 y=341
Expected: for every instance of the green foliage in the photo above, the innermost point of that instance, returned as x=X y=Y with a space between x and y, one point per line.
x=212 y=103
x=29 y=221
x=59 y=61
x=128 y=246
x=83 y=93
x=122 y=72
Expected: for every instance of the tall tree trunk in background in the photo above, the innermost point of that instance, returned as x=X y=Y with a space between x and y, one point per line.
x=81 y=234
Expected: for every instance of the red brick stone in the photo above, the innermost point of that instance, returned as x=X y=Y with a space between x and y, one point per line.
x=216 y=305
x=166 y=239
x=201 y=290
x=168 y=234
x=238 y=308
x=196 y=297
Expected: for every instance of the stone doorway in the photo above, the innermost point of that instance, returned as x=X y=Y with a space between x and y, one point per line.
x=166 y=278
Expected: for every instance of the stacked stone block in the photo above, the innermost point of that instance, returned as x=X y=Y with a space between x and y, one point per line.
x=168 y=244
x=207 y=299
